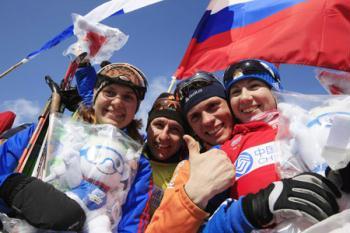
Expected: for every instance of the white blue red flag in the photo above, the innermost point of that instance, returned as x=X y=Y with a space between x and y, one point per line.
x=309 y=32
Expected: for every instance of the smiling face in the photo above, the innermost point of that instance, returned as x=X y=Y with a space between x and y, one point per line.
x=164 y=137
x=211 y=120
x=250 y=97
x=115 y=104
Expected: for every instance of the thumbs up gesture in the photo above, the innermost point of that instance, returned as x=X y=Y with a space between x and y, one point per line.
x=211 y=173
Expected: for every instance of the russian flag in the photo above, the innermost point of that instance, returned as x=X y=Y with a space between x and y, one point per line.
x=308 y=32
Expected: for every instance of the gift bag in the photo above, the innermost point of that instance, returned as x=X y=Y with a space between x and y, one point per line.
x=93 y=164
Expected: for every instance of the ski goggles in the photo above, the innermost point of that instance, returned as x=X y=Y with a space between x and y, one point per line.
x=125 y=74
x=251 y=68
x=167 y=103
x=199 y=80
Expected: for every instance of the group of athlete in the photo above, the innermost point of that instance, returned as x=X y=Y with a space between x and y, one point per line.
x=208 y=162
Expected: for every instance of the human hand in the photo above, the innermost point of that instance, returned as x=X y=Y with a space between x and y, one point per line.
x=210 y=173
x=308 y=194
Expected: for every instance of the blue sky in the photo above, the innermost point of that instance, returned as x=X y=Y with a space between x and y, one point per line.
x=158 y=37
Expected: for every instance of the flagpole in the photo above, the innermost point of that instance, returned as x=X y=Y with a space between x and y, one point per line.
x=15 y=66
x=173 y=81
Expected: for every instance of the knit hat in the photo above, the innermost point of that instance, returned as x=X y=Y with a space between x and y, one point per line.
x=201 y=86
x=166 y=106
x=124 y=74
x=252 y=68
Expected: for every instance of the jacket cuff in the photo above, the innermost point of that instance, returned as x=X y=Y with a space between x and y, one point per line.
x=190 y=206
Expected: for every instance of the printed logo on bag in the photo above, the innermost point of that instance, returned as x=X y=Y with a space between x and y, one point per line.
x=106 y=159
x=95 y=199
x=325 y=119
x=254 y=158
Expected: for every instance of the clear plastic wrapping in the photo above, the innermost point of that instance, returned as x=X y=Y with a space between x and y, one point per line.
x=311 y=129
x=93 y=164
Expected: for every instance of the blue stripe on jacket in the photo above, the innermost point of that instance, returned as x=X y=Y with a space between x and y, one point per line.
x=135 y=211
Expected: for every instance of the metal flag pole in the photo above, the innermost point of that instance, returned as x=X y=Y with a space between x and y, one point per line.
x=173 y=82
x=15 y=66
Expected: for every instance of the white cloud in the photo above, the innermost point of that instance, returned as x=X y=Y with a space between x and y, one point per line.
x=156 y=86
x=26 y=111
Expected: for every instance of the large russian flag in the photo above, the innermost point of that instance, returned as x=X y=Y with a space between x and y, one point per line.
x=309 y=32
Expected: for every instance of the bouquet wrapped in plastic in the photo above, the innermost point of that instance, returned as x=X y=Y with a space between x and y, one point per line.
x=314 y=133
x=93 y=164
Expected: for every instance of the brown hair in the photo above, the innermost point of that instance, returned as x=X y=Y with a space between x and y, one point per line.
x=88 y=114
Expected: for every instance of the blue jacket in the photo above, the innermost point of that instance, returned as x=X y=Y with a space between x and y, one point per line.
x=10 y=153
x=228 y=218
x=135 y=211
x=86 y=79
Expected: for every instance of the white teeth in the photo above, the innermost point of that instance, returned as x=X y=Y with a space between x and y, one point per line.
x=162 y=146
x=214 y=130
x=249 y=110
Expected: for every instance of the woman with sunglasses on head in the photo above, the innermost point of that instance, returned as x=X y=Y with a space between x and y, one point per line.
x=118 y=91
x=249 y=85
x=117 y=94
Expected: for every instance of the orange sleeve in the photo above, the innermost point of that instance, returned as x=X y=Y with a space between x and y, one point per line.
x=177 y=213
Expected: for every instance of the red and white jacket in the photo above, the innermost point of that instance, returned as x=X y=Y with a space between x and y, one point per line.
x=254 y=152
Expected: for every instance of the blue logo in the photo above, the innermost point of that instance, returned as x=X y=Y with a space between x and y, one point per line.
x=243 y=164
x=325 y=120
x=106 y=159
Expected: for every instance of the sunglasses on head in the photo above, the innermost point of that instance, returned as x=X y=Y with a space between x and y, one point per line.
x=167 y=103
x=199 y=80
x=248 y=67
x=132 y=81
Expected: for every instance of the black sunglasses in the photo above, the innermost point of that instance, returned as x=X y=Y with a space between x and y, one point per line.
x=248 y=67
x=199 y=80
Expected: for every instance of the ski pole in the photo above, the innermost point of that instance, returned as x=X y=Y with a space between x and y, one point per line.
x=25 y=60
x=35 y=143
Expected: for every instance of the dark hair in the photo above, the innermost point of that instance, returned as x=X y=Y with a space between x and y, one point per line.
x=88 y=114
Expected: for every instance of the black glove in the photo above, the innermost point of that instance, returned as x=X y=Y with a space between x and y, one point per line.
x=83 y=60
x=340 y=177
x=71 y=99
x=41 y=204
x=307 y=194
